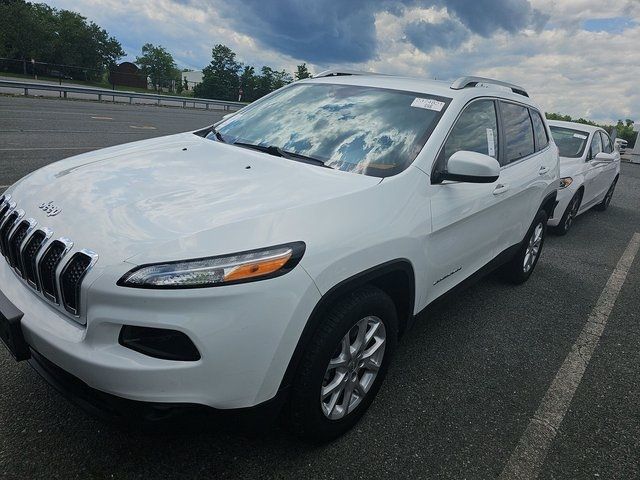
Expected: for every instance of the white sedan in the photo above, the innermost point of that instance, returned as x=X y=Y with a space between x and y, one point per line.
x=589 y=171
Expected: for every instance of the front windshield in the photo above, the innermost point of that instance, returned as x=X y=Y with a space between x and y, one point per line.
x=571 y=143
x=366 y=130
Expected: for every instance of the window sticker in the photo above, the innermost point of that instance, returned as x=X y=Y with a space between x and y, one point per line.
x=577 y=135
x=428 y=103
x=491 y=145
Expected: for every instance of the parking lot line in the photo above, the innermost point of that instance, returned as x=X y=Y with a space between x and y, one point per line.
x=527 y=458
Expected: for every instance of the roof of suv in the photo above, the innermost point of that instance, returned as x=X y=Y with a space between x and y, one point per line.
x=426 y=86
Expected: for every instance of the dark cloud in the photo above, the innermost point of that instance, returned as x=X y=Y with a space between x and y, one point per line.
x=484 y=17
x=426 y=36
x=343 y=31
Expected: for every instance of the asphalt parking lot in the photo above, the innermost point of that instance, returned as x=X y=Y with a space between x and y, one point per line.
x=466 y=381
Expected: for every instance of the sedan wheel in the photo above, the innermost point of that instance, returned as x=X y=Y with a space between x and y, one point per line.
x=353 y=368
x=607 y=198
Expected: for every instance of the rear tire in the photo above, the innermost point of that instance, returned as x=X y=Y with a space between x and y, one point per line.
x=606 y=201
x=569 y=215
x=344 y=365
x=521 y=266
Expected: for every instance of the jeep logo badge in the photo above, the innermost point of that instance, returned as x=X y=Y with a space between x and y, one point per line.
x=50 y=209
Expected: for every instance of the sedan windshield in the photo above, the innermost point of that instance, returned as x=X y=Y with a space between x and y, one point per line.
x=571 y=143
x=372 y=131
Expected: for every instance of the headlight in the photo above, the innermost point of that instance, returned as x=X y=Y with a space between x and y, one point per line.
x=213 y=271
x=565 y=182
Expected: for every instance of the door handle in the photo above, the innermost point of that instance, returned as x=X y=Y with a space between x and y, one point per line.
x=543 y=170
x=500 y=189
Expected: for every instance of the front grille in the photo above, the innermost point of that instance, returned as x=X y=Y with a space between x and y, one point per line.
x=4 y=231
x=36 y=259
x=29 y=254
x=48 y=265
x=13 y=248
x=71 y=279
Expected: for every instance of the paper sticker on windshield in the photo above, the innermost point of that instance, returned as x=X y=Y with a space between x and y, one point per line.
x=577 y=135
x=491 y=146
x=428 y=103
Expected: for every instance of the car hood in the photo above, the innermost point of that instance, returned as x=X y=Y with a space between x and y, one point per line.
x=126 y=200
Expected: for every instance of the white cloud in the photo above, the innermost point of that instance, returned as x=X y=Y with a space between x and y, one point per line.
x=564 y=67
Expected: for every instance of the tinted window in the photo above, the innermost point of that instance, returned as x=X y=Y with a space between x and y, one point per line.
x=518 y=132
x=539 y=131
x=476 y=130
x=571 y=143
x=596 y=145
x=358 y=129
x=606 y=143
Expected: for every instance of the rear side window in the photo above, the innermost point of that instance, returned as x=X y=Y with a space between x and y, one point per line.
x=518 y=131
x=476 y=130
x=606 y=143
x=539 y=132
x=596 y=145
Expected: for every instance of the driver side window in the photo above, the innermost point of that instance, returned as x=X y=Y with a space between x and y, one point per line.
x=596 y=146
x=476 y=130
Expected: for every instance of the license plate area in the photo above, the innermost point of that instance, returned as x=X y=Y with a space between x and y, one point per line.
x=11 y=330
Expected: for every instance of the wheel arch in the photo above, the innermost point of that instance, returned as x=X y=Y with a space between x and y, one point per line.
x=549 y=204
x=396 y=278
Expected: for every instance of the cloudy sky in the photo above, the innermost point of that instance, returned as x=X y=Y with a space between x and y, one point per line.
x=580 y=57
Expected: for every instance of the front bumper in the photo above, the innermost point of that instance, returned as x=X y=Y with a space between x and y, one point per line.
x=129 y=413
x=246 y=335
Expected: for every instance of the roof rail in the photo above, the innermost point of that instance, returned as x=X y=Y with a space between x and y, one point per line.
x=465 y=82
x=341 y=72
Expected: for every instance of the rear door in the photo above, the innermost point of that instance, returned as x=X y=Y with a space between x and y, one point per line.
x=610 y=169
x=593 y=182
x=527 y=167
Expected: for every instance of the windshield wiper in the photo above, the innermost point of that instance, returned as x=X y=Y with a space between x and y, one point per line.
x=279 y=152
x=208 y=131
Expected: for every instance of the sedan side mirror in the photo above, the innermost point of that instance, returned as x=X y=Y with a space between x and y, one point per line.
x=472 y=167
x=605 y=157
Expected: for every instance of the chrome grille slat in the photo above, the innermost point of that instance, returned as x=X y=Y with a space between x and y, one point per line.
x=15 y=241
x=29 y=256
x=71 y=279
x=5 y=230
x=47 y=269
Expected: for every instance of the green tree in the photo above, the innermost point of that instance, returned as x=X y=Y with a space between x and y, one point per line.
x=36 y=31
x=248 y=83
x=220 y=78
x=158 y=64
x=302 y=72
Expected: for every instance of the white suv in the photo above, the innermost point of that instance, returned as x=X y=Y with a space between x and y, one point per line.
x=589 y=171
x=274 y=259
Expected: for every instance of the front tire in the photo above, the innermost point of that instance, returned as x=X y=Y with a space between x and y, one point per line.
x=602 y=206
x=521 y=266
x=344 y=365
x=569 y=214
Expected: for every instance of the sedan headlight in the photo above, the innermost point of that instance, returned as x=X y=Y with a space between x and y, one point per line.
x=565 y=182
x=214 y=271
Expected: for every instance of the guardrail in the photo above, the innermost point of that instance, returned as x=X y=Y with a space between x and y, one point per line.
x=64 y=90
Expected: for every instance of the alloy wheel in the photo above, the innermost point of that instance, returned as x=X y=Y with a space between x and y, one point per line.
x=533 y=248
x=353 y=368
x=607 y=199
x=573 y=211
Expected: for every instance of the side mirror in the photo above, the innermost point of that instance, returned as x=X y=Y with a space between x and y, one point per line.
x=472 y=167
x=605 y=157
